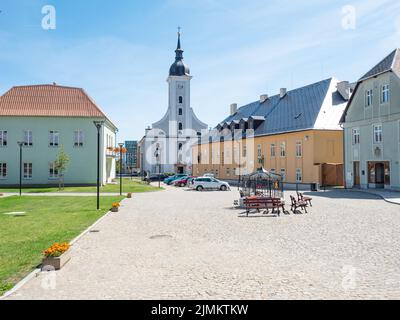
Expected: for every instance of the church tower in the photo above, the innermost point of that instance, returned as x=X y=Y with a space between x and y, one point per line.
x=168 y=144
x=179 y=91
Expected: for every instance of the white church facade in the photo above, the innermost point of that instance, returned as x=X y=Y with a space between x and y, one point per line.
x=167 y=144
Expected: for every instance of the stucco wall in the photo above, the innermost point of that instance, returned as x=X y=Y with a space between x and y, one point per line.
x=317 y=147
x=83 y=160
x=363 y=118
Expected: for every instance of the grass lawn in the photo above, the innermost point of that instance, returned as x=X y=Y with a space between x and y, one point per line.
x=128 y=185
x=47 y=220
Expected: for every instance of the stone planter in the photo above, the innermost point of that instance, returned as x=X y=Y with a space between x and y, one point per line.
x=57 y=263
x=114 y=209
x=129 y=195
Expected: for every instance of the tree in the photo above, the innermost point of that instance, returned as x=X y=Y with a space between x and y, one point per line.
x=61 y=165
x=119 y=153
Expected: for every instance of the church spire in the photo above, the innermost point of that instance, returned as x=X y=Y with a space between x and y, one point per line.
x=179 y=51
x=179 y=68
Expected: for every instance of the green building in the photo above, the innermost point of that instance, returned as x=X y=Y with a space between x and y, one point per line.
x=46 y=119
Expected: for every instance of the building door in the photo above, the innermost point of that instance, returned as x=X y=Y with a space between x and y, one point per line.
x=379 y=174
x=356 y=173
x=179 y=170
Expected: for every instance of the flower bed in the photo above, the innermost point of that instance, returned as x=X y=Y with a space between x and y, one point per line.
x=115 y=207
x=56 y=256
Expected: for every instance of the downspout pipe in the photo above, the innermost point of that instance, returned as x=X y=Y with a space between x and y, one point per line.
x=344 y=157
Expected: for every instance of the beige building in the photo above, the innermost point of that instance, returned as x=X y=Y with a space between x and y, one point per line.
x=295 y=134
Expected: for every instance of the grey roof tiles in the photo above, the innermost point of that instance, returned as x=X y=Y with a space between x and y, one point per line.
x=389 y=63
x=297 y=110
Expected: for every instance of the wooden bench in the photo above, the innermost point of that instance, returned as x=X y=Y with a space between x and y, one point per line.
x=298 y=204
x=257 y=203
x=301 y=197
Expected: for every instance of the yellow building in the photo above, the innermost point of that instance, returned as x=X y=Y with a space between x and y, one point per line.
x=295 y=134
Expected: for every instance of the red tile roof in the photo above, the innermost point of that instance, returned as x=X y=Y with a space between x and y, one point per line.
x=48 y=101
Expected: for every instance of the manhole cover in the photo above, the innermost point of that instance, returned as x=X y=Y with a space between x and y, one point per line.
x=160 y=236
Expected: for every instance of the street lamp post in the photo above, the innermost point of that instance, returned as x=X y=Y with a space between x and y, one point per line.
x=157 y=154
x=120 y=168
x=98 y=125
x=20 y=144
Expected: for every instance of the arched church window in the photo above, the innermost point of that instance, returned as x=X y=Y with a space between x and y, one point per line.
x=180 y=126
x=180 y=111
x=180 y=99
x=180 y=146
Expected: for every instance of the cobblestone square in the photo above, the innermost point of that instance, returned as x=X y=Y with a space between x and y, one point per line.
x=179 y=244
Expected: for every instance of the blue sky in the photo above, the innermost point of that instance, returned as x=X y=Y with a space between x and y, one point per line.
x=121 y=51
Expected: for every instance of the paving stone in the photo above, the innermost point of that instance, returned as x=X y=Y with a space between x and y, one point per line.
x=179 y=244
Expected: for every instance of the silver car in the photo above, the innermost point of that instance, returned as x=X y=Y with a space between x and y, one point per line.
x=204 y=183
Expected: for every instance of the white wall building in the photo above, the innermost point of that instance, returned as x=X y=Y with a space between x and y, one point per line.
x=167 y=144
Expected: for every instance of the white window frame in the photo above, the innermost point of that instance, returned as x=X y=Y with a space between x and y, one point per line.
x=377 y=125
x=3 y=133
x=398 y=137
x=299 y=175
x=27 y=170
x=2 y=166
x=299 y=149
x=273 y=150
x=54 y=136
x=385 y=93
x=355 y=132
x=369 y=96
x=53 y=176
x=28 y=138
x=283 y=149
x=79 y=138
x=259 y=151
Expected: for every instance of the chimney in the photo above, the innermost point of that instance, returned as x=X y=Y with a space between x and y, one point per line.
x=234 y=108
x=263 y=98
x=282 y=92
x=343 y=88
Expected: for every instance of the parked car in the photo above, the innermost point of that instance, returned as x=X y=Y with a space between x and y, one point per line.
x=209 y=175
x=203 y=183
x=170 y=180
x=182 y=182
x=156 y=177
x=190 y=181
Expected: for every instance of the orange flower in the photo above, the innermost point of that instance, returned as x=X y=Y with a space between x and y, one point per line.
x=116 y=205
x=56 y=250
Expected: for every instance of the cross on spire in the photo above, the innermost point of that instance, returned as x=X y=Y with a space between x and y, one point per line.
x=178 y=48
